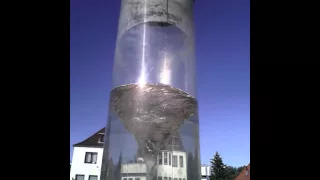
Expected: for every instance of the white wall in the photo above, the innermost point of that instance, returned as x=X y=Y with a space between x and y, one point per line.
x=174 y=172
x=79 y=167
x=205 y=170
x=134 y=178
x=134 y=168
x=209 y=170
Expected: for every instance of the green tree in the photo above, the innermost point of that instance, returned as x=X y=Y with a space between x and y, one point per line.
x=219 y=170
x=232 y=172
x=239 y=169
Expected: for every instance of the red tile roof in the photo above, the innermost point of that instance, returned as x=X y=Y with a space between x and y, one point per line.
x=245 y=173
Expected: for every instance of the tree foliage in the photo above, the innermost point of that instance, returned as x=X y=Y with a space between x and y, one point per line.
x=221 y=171
x=218 y=168
x=232 y=172
x=239 y=169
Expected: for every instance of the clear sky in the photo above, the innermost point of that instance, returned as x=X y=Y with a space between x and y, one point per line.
x=223 y=67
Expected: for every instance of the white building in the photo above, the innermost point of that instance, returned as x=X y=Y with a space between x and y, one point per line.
x=87 y=158
x=205 y=172
x=134 y=171
x=171 y=161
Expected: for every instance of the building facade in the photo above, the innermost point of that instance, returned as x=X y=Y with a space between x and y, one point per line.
x=171 y=161
x=205 y=172
x=87 y=158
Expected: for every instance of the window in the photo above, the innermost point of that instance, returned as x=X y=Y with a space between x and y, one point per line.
x=159 y=178
x=180 y=178
x=101 y=138
x=175 y=178
x=175 y=141
x=91 y=157
x=169 y=178
x=165 y=159
x=130 y=178
x=170 y=160
x=184 y=178
x=124 y=178
x=137 y=179
x=174 y=161
x=181 y=161
x=160 y=158
x=165 y=178
x=91 y=177
x=79 y=177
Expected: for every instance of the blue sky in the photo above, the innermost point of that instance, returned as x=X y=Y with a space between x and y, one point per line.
x=223 y=67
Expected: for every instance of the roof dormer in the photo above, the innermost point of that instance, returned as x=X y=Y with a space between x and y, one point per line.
x=96 y=140
x=101 y=138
